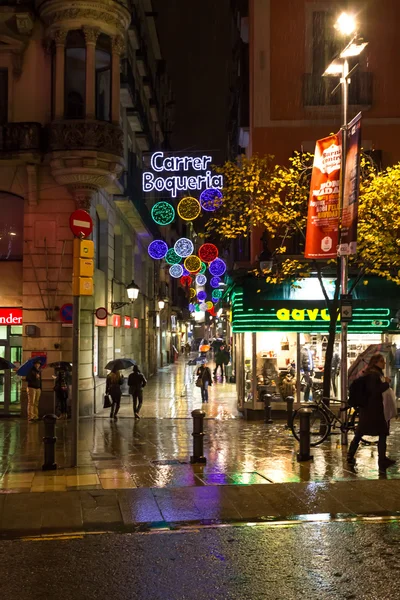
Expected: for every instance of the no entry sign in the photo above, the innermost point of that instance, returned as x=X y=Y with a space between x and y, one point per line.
x=80 y=223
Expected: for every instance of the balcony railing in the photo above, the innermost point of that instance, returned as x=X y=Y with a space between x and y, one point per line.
x=21 y=137
x=317 y=90
x=85 y=135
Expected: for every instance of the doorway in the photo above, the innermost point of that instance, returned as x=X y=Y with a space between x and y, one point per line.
x=10 y=383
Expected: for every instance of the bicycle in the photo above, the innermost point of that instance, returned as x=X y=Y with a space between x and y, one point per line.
x=322 y=420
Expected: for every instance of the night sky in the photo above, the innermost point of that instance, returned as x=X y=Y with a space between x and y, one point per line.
x=195 y=39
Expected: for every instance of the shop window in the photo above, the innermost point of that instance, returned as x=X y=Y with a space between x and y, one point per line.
x=11 y=227
x=103 y=78
x=75 y=75
x=3 y=96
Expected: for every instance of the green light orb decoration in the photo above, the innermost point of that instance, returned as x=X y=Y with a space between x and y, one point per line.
x=172 y=258
x=163 y=213
x=203 y=268
x=217 y=293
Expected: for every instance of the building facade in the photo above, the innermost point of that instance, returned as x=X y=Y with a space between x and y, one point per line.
x=83 y=94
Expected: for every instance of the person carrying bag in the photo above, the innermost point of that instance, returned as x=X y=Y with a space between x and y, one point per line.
x=136 y=382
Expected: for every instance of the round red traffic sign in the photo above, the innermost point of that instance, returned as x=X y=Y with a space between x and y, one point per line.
x=66 y=313
x=101 y=313
x=80 y=223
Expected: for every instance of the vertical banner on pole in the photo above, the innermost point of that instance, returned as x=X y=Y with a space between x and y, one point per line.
x=323 y=206
x=348 y=233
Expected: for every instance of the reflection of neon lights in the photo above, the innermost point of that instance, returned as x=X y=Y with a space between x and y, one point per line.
x=173 y=163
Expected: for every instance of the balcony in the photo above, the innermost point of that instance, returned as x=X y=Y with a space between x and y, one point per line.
x=20 y=137
x=317 y=90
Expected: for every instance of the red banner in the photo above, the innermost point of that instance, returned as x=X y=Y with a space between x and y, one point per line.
x=348 y=233
x=323 y=206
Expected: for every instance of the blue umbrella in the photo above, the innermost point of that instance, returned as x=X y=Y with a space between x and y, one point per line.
x=27 y=366
x=6 y=364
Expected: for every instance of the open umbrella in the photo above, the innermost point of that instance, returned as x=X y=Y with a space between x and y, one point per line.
x=362 y=360
x=61 y=365
x=6 y=364
x=27 y=366
x=120 y=364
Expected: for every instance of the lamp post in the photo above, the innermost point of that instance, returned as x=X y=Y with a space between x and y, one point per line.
x=133 y=292
x=161 y=306
x=346 y=25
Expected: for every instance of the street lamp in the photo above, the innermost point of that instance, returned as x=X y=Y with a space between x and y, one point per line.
x=133 y=292
x=161 y=304
x=339 y=67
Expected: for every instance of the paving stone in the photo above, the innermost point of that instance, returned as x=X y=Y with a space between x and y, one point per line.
x=138 y=506
x=61 y=510
x=177 y=504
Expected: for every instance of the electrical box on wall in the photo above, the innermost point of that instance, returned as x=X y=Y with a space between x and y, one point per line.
x=31 y=330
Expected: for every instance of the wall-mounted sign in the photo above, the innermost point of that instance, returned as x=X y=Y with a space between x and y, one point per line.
x=10 y=316
x=100 y=322
x=66 y=312
x=127 y=322
x=136 y=323
x=116 y=320
x=159 y=179
x=101 y=313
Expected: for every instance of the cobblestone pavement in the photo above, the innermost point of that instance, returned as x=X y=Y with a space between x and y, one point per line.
x=155 y=451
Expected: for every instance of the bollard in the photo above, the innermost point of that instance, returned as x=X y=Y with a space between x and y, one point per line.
x=49 y=441
x=267 y=409
x=289 y=411
x=198 y=434
x=304 y=453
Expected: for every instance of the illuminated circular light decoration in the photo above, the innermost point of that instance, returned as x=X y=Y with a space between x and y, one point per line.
x=163 y=213
x=217 y=267
x=203 y=268
x=191 y=307
x=211 y=199
x=215 y=281
x=189 y=208
x=203 y=307
x=215 y=300
x=197 y=307
x=202 y=295
x=192 y=263
x=208 y=252
x=176 y=271
x=186 y=280
x=184 y=247
x=192 y=293
x=157 y=249
x=201 y=279
x=209 y=305
x=217 y=293
x=172 y=257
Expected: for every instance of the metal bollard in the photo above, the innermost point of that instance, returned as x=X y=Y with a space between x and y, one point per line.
x=304 y=453
x=289 y=411
x=267 y=409
x=198 y=434
x=49 y=441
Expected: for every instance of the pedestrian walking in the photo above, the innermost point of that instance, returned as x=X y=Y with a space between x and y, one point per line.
x=136 y=382
x=61 y=390
x=220 y=358
x=204 y=380
x=113 y=388
x=34 y=389
x=371 y=413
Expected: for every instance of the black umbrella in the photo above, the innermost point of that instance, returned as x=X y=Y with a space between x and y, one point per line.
x=61 y=365
x=6 y=364
x=120 y=364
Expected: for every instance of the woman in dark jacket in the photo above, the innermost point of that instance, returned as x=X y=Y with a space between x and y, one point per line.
x=372 y=418
x=204 y=375
x=61 y=389
x=113 y=387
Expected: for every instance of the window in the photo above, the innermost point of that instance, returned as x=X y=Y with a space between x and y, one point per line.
x=325 y=42
x=103 y=78
x=11 y=226
x=75 y=75
x=3 y=96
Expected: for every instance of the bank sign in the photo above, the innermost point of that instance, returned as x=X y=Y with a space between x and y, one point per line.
x=173 y=174
x=10 y=316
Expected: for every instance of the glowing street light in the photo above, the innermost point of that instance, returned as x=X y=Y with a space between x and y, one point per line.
x=346 y=24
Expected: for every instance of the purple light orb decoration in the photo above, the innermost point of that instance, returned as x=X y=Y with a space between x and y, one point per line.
x=211 y=199
x=176 y=271
x=215 y=281
x=185 y=271
x=202 y=295
x=157 y=249
x=214 y=299
x=201 y=279
x=217 y=267
x=191 y=307
x=184 y=247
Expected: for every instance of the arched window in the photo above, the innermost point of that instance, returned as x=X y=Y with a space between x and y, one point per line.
x=11 y=226
x=75 y=75
x=103 y=78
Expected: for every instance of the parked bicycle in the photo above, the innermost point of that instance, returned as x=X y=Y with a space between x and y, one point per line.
x=323 y=421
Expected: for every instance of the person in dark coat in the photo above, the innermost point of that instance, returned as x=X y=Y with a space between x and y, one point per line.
x=113 y=388
x=372 y=418
x=204 y=374
x=219 y=361
x=34 y=389
x=136 y=383
x=61 y=390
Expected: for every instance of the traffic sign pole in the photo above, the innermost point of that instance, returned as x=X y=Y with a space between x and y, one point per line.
x=76 y=338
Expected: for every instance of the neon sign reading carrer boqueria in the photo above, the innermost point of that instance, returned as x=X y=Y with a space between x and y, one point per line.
x=179 y=183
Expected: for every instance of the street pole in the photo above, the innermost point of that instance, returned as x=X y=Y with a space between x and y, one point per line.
x=161 y=348
x=344 y=262
x=76 y=336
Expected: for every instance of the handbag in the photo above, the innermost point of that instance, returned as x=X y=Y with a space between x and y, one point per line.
x=389 y=404
x=199 y=382
x=106 y=401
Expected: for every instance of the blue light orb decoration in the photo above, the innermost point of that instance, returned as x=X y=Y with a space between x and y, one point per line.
x=191 y=307
x=157 y=249
x=172 y=258
x=215 y=300
x=202 y=295
x=184 y=247
x=163 y=213
x=176 y=271
x=201 y=279
x=217 y=267
x=211 y=199
x=185 y=271
x=215 y=281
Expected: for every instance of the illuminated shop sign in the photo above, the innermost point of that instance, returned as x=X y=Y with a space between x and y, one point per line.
x=302 y=314
x=159 y=180
x=10 y=316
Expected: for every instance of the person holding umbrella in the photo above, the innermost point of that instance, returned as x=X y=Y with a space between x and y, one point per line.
x=34 y=389
x=113 y=388
x=136 y=383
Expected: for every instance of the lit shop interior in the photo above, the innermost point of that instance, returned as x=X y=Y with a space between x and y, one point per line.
x=281 y=336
